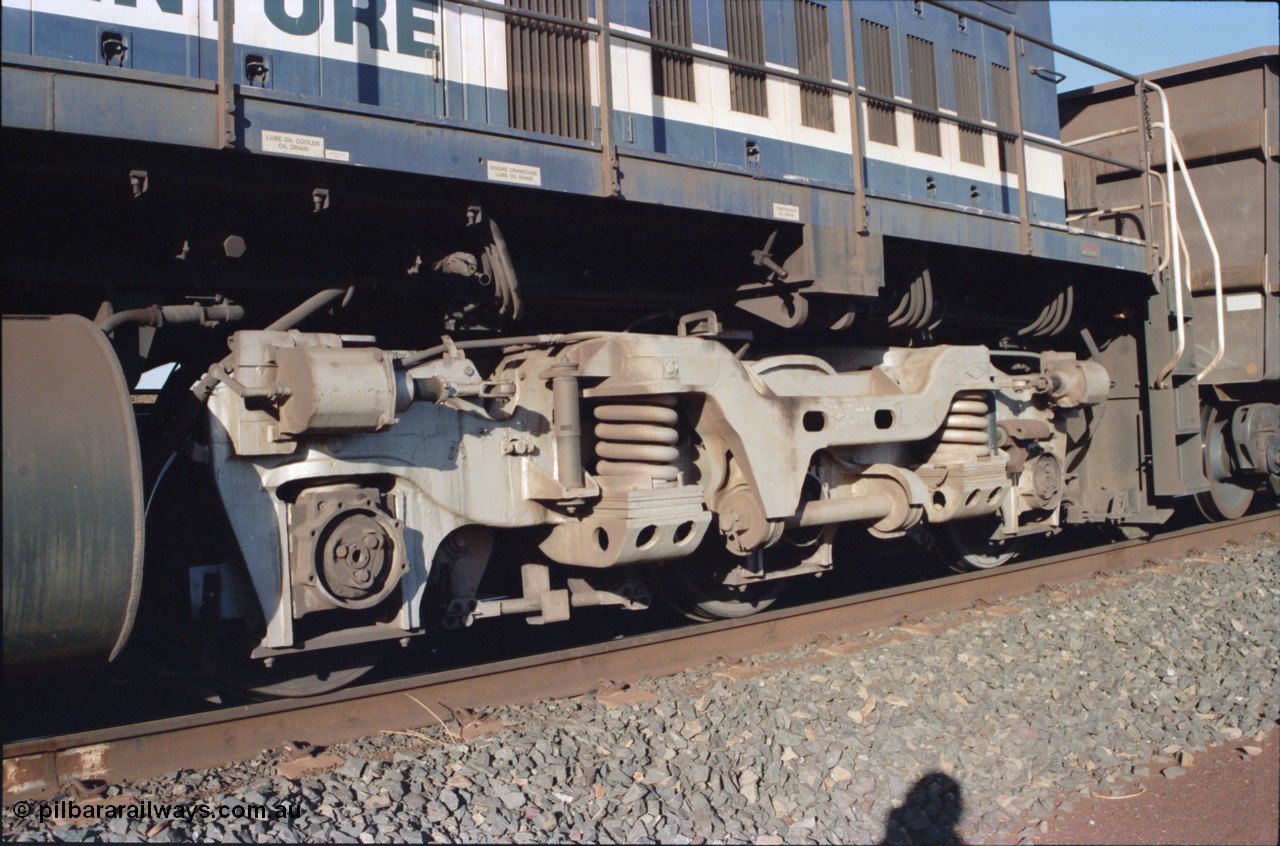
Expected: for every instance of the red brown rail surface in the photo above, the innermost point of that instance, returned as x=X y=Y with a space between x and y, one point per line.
x=37 y=769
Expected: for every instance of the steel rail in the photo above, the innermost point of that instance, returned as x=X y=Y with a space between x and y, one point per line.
x=40 y=768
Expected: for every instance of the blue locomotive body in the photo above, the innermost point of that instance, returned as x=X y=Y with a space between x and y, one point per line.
x=734 y=108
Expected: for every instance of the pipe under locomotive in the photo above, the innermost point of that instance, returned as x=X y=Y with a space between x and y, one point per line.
x=567 y=355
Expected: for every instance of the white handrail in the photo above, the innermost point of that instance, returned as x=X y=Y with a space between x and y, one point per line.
x=1219 y=300
x=1100 y=136
x=1172 y=150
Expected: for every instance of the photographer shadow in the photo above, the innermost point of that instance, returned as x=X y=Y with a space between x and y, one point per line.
x=929 y=814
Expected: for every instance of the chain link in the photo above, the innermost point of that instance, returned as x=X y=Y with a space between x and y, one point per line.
x=1146 y=111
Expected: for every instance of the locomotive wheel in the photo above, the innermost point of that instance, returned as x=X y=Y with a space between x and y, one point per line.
x=695 y=587
x=967 y=545
x=1224 y=500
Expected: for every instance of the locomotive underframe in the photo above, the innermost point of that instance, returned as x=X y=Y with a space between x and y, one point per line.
x=892 y=484
x=920 y=362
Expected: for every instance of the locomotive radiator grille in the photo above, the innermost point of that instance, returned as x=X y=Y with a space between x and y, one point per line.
x=549 y=71
x=814 y=56
x=671 y=22
x=744 y=22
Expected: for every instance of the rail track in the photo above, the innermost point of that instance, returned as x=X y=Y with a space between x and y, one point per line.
x=41 y=767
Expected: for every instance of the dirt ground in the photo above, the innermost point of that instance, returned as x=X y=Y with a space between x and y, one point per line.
x=1225 y=796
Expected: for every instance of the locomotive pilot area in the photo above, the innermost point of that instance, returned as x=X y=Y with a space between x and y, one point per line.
x=688 y=421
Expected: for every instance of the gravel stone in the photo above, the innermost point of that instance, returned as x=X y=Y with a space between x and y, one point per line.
x=354 y=768
x=974 y=732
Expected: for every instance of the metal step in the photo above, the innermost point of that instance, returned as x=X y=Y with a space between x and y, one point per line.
x=1176 y=446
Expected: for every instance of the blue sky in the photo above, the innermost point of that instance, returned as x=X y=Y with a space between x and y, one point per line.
x=1140 y=36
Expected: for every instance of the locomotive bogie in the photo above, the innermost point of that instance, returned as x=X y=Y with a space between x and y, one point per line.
x=323 y=515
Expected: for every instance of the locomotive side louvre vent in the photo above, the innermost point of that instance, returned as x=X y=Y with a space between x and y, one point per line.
x=813 y=38
x=877 y=57
x=670 y=22
x=968 y=105
x=548 y=71
x=1003 y=93
x=924 y=92
x=744 y=22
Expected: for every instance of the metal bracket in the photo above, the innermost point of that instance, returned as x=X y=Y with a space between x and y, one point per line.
x=764 y=257
x=699 y=323
x=114 y=47
x=256 y=70
x=1048 y=74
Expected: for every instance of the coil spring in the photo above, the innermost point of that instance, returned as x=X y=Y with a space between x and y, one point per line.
x=968 y=424
x=637 y=438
